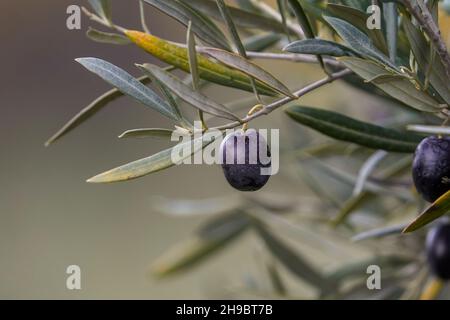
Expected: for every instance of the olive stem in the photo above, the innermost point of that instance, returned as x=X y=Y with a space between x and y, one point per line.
x=279 y=103
x=432 y=290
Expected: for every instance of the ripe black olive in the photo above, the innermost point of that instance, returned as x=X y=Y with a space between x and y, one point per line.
x=431 y=167
x=438 y=250
x=242 y=163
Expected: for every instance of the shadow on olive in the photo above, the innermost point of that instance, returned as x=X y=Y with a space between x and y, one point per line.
x=438 y=251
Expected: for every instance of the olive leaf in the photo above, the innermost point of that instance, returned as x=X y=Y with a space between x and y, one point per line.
x=440 y=207
x=380 y=232
x=260 y=42
x=208 y=70
x=152 y=164
x=319 y=46
x=102 y=8
x=291 y=259
x=438 y=130
x=202 y=26
x=359 y=19
x=128 y=85
x=437 y=76
x=401 y=89
x=391 y=19
x=147 y=132
x=188 y=95
x=240 y=17
x=215 y=235
x=249 y=68
x=106 y=37
x=344 y=128
x=358 y=41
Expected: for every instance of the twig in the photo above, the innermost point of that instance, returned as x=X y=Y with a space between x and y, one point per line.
x=279 y=103
x=423 y=16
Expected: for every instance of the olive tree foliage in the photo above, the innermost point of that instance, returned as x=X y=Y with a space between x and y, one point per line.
x=370 y=203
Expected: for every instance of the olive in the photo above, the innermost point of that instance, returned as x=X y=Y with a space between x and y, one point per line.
x=431 y=167
x=243 y=166
x=438 y=250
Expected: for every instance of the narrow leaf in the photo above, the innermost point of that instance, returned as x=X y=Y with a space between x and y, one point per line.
x=105 y=37
x=358 y=41
x=358 y=19
x=391 y=18
x=261 y=42
x=154 y=163
x=429 y=129
x=379 y=233
x=319 y=46
x=147 y=132
x=208 y=70
x=440 y=207
x=344 y=128
x=128 y=85
x=249 y=68
x=402 y=89
x=185 y=93
x=192 y=55
x=213 y=236
x=202 y=26
x=102 y=8
x=291 y=259
x=366 y=170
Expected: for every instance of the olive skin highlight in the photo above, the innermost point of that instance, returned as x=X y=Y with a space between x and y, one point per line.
x=431 y=167
x=438 y=251
x=242 y=162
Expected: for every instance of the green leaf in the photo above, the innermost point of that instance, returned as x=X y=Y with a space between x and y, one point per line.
x=147 y=132
x=344 y=128
x=421 y=49
x=319 y=46
x=379 y=233
x=402 y=89
x=358 y=41
x=240 y=17
x=213 y=236
x=358 y=19
x=391 y=18
x=440 y=207
x=102 y=8
x=302 y=18
x=202 y=26
x=152 y=164
x=127 y=84
x=105 y=37
x=438 y=130
x=261 y=42
x=249 y=68
x=185 y=93
x=192 y=55
x=291 y=259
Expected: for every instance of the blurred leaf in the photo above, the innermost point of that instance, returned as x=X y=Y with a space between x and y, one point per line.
x=202 y=26
x=147 y=132
x=128 y=85
x=208 y=70
x=154 y=163
x=102 y=8
x=429 y=129
x=260 y=42
x=105 y=37
x=421 y=50
x=402 y=89
x=240 y=17
x=213 y=236
x=275 y=279
x=379 y=233
x=358 y=41
x=283 y=10
x=189 y=208
x=366 y=170
x=192 y=55
x=440 y=207
x=358 y=19
x=291 y=259
x=194 y=98
x=391 y=18
x=249 y=68
x=344 y=128
x=319 y=46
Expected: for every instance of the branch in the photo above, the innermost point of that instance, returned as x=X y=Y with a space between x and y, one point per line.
x=423 y=16
x=277 y=104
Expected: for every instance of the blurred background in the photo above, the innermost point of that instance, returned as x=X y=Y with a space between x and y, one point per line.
x=50 y=218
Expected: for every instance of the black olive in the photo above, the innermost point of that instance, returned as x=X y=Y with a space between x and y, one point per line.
x=431 y=167
x=438 y=250
x=242 y=163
